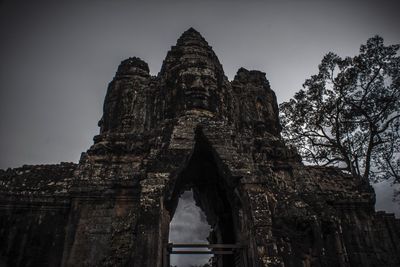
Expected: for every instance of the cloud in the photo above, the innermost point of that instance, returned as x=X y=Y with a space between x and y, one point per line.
x=188 y=225
x=384 y=198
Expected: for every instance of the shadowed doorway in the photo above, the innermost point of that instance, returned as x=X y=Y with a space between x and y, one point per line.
x=201 y=185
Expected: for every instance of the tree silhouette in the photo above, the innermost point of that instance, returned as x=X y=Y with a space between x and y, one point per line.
x=348 y=115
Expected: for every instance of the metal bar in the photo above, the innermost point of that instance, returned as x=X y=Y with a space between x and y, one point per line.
x=189 y=245
x=202 y=252
x=225 y=246
x=206 y=246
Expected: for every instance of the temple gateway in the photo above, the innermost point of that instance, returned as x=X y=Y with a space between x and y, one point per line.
x=190 y=127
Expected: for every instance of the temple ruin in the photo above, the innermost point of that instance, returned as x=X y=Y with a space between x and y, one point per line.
x=190 y=127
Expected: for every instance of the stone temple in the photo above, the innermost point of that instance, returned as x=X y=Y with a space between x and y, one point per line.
x=190 y=127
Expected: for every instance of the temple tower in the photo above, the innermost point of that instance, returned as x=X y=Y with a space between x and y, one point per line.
x=190 y=127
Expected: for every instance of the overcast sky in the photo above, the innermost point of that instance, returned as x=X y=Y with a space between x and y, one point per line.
x=57 y=57
x=189 y=225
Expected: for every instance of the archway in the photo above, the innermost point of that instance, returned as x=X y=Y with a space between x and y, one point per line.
x=213 y=192
x=189 y=226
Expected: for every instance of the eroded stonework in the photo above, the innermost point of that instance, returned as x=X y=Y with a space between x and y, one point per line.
x=189 y=127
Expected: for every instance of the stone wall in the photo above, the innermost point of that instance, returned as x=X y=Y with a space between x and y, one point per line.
x=34 y=210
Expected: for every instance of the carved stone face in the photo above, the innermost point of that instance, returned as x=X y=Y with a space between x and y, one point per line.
x=199 y=86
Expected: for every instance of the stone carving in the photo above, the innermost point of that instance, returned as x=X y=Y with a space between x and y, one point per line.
x=192 y=78
x=189 y=127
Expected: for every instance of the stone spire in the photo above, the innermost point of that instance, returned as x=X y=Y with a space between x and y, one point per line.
x=191 y=49
x=191 y=36
x=192 y=77
x=124 y=102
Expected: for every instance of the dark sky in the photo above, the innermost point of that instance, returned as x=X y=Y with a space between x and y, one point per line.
x=57 y=57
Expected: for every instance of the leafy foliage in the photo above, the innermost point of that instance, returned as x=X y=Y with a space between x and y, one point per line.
x=348 y=115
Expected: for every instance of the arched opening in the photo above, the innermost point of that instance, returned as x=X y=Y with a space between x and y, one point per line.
x=211 y=193
x=189 y=225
